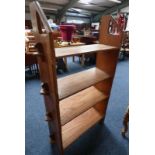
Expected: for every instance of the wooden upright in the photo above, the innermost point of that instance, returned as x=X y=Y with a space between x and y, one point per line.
x=76 y=102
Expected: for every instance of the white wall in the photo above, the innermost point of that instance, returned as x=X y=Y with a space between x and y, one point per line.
x=78 y=19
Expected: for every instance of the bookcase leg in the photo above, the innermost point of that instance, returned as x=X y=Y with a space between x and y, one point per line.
x=52 y=123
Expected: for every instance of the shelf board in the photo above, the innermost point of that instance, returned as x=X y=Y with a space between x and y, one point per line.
x=74 y=105
x=78 y=50
x=74 y=129
x=74 y=83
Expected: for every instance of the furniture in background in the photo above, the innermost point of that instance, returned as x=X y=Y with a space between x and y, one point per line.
x=125 y=43
x=87 y=58
x=30 y=60
x=125 y=123
x=60 y=43
x=124 y=52
x=65 y=44
x=28 y=24
x=67 y=32
x=88 y=39
x=76 y=102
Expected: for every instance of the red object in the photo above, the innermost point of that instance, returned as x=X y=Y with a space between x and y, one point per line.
x=66 y=32
x=121 y=21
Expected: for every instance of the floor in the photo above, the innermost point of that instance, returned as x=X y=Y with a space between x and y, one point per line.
x=102 y=139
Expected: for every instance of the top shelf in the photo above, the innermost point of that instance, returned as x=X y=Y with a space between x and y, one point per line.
x=77 y=50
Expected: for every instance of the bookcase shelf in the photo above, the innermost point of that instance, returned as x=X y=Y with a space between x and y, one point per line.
x=76 y=102
x=74 y=83
x=75 y=128
x=77 y=50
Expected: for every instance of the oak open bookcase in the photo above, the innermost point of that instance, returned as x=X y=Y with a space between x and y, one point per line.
x=76 y=102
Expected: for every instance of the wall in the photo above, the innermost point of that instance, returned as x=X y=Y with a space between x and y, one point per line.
x=78 y=20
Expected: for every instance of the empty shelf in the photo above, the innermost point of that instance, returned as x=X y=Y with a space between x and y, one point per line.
x=73 y=83
x=74 y=129
x=77 y=50
x=74 y=105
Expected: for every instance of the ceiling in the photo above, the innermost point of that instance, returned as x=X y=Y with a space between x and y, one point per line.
x=81 y=8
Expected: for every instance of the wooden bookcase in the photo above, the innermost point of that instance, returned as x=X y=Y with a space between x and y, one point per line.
x=76 y=102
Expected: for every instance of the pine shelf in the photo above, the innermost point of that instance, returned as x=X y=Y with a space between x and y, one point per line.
x=75 y=105
x=76 y=102
x=76 y=82
x=75 y=128
x=78 y=50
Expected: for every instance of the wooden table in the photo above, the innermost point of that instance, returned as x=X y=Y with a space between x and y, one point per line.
x=87 y=39
x=65 y=44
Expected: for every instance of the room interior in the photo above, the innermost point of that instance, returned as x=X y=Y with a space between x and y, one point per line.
x=77 y=77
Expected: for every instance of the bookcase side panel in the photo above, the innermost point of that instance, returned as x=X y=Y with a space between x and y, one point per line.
x=47 y=68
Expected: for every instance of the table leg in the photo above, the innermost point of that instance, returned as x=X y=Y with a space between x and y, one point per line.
x=82 y=60
x=73 y=58
x=65 y=61
x=62 y=64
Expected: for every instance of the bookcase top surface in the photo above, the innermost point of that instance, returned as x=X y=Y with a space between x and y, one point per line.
x=77 y=50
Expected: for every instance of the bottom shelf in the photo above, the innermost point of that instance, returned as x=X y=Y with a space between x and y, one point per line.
x=75 y=128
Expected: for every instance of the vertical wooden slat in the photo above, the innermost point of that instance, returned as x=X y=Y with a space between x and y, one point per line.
x=47 y=67
x=107 y=61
